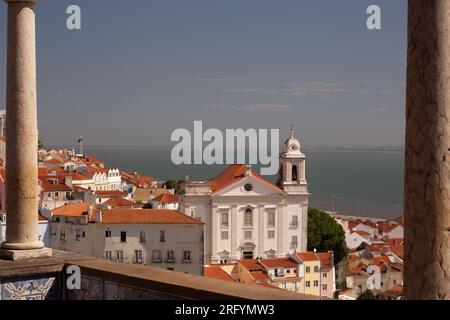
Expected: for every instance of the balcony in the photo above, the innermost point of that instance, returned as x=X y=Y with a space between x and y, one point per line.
x=46 y=279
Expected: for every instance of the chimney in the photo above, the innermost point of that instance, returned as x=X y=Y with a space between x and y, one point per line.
x=68 y=182
x=98 y=216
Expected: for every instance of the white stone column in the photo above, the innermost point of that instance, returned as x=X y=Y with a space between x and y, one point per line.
x=234 y=233
x=303 y=171
x=214 y=234
x=21 y=134
x=261 y=229
x=304 y=230
x=281 y=230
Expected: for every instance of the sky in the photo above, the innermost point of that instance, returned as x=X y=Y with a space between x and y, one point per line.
x=139 y=69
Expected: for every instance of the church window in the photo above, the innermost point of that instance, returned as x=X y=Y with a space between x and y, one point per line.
x=271 y=219
x=224 y=218
x=294 y=221
x=248 y=217
x=224 y=235
x=271 y=234
x=248 y=235
x=294 y=241
x=294 y=173
x=248 y=187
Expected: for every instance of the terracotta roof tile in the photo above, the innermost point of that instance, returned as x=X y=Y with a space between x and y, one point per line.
x=110 y=193
x=132 y=216
x=251 y=264
x=259 y=275
x=72 y=210
x=278 y=263
x=137 y=179
x=307 y=256
x=117 y=202
x=326 y=259
x=166 y=198
x=216 y=272
x=232 y=174
x=268 y=285
x=362 y=233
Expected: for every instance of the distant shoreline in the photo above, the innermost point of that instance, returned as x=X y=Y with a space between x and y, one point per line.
x=306 y=147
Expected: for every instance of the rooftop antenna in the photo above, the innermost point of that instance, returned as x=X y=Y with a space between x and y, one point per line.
x=81 y=142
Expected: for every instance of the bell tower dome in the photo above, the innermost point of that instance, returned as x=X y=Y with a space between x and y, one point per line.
x=292 y=177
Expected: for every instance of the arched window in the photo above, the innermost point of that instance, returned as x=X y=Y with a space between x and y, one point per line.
x=248 y=217
x=294 y=173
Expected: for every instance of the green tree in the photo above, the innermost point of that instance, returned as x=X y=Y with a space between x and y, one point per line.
x=172 y=184
x=370 y=295
x=325 y=234
x=367 y=295
x=40 y=145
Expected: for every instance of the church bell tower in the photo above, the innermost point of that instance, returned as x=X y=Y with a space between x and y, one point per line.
x=291 y=176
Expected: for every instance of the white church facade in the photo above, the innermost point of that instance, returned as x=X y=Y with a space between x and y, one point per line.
x=247 y=217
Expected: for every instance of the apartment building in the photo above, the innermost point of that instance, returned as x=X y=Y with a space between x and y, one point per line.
x=160 y=238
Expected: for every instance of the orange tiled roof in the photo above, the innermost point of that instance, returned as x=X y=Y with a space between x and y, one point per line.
x=42 y=171
x=131 y=216
x=397 y=250
x=232 y=174
x=216 y=272
x=362 y=233
x=110 y=193
x=138 y=180
x=278 y=263
x=307 y=256
x=259 y=275
x=268 y=285
x=356 y=271
x=326 y=259
x=251 y=264
x=53 y=160
x=381 y=261
x=116 y=202
x=398 y=289
x=166 y=198
x=72 y=210
x=48 y=186
x=394 y=242
x=92 y=160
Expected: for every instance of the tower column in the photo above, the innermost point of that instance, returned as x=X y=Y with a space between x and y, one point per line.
x=234 y=231
x=427 y=165
x=22 y=136
x=214 y=234
x=261 y=229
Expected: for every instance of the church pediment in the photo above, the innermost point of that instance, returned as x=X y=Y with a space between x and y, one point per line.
x=250 y=186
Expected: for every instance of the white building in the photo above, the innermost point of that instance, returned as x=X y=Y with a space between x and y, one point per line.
x=159 y=238
x=248 y=217
x=43 y=229
x=168 y=201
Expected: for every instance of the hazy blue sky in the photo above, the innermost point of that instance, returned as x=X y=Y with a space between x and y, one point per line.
x=139 y=69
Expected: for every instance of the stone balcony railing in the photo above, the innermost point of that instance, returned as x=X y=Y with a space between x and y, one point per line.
x=47 y=278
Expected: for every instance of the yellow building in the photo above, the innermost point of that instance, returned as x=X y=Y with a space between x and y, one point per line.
x=310 y=271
